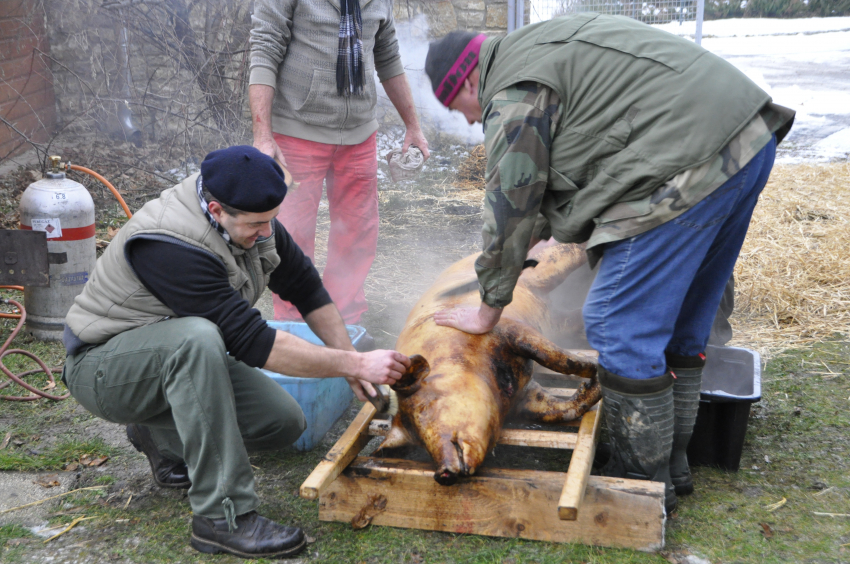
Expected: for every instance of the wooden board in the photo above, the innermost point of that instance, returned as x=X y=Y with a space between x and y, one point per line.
x=343 y=452
x=519 y=437
x=497 y=502
x=581 y=462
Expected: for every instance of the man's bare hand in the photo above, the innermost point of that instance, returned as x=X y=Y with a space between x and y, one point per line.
x=361 y=389
x=472 y=320
x=413 y=136
x=269 y=146
x=382 y=367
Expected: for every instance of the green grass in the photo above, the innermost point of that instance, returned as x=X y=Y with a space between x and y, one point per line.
x=28 y=459
x=9 y=532
x=797 y=448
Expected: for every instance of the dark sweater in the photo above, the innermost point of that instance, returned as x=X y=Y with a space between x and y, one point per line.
x=194 y=283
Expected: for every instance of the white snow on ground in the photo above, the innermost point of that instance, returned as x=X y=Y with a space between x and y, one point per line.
x=836 y=145
x=803 y=64
x=746 y=27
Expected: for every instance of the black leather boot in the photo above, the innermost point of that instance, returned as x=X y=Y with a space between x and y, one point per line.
x=253 y=536
x=639 y=416
x=686 y=388
x=166 y=473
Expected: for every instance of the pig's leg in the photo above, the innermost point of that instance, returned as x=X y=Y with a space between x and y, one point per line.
x=554 y=264
x=538 y=404
x=544 y=407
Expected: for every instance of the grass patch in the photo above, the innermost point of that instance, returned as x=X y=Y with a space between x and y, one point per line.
x=11 y=539
x=29 y=459
x=797 y=449
x=9 y=532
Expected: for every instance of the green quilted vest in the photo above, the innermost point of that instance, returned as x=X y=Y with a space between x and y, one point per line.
x=114 y=299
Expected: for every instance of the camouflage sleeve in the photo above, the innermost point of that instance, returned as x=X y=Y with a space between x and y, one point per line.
x=519 y=124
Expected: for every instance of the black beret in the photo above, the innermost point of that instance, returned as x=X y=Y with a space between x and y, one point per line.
x=244 y=178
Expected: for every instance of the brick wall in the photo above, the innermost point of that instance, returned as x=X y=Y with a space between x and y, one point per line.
x=26 y=89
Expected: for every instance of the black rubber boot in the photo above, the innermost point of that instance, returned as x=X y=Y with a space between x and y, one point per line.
x=639 y=415
x=687 y=372
x=166 y=473
x=253 y=536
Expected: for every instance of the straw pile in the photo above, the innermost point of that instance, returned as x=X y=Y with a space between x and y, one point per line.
x=793 y=275
x=470 y=173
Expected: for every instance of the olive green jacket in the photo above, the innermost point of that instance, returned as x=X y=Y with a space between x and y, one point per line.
x=640 y=106
x=114 y=300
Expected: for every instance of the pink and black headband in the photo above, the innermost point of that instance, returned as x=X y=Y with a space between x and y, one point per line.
x=443 y=52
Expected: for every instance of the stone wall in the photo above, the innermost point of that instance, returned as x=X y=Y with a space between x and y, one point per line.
x=26 y=89
x=487 y=16
x=165 y=96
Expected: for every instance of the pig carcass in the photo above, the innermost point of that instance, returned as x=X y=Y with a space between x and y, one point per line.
x=461 y=387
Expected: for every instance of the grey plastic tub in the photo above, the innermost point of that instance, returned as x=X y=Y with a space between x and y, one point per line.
x=731 y=383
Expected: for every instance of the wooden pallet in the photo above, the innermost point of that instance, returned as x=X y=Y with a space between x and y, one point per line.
x=570 y=506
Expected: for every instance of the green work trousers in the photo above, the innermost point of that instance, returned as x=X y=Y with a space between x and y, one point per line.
x=201 y=405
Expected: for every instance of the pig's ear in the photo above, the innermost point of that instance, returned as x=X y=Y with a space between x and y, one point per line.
x=409 y=382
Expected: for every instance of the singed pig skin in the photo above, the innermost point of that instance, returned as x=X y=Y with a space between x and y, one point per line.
x=455 y=399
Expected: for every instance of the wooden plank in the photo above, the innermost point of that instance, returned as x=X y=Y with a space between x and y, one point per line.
x=343 y=452
x=518 y=437
x=589 y=353
x=380 y=428
x=497 y=502
x=561 y=392
x=581 y=462
x=533 y=438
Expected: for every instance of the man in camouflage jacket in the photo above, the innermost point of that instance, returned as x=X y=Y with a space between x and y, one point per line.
x=649 y=150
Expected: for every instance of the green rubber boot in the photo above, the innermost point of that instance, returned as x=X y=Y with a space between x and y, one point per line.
x=639 y=416
x=687 y=371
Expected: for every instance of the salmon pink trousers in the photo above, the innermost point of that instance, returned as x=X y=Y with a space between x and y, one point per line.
x=350 y=173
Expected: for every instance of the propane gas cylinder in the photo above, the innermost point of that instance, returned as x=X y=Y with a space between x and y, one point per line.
x=64 y=210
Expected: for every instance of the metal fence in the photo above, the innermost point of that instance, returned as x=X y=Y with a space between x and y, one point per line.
x=650 y=12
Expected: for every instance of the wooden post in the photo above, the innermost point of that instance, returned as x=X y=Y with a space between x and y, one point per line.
x=343 y=452
x=580 y=465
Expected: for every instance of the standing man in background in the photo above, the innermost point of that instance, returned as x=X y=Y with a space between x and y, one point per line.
x=312 y=97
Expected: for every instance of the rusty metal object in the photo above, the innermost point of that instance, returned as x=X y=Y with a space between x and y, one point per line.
x=26 y=261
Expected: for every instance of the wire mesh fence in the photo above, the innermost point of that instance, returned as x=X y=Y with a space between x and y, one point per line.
x=651 y=12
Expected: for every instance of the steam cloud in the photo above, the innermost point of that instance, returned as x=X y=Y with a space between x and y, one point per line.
x=413 y=44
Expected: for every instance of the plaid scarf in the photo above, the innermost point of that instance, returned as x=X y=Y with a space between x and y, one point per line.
x=349 y=62
x=206 y=209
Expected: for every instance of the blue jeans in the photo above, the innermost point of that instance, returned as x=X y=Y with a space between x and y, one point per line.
x=659 y=291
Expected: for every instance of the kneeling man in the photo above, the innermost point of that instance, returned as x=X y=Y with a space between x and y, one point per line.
x=165 y=338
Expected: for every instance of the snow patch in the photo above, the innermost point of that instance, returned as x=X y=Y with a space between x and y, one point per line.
x=753 y=27
x=836 y=146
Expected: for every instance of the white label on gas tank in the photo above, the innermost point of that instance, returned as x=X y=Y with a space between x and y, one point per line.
x=52 y=226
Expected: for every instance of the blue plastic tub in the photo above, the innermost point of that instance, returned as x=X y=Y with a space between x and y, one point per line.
x=323 y=400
